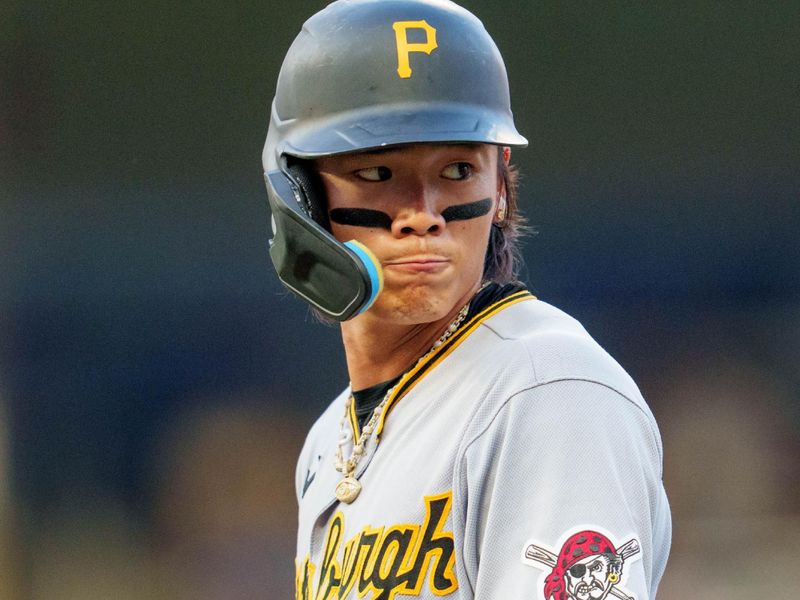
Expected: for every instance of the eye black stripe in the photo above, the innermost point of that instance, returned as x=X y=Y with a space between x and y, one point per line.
x=361 y=217
x=468 y=210
x=367 y=217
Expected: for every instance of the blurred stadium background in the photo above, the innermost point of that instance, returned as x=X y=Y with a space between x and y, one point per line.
x=156 y=382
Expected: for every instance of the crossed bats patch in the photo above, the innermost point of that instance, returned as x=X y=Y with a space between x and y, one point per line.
x=589 y=566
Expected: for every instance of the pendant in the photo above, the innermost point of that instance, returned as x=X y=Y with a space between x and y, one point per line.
x=348 y=489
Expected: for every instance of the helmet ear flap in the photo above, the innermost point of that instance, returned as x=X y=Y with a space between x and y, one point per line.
x=312 y=192
x=340 y=279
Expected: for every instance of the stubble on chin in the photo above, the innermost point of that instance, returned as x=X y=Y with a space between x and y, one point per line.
x=412 y=304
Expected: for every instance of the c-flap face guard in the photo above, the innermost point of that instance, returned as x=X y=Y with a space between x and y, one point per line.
x=339 y=279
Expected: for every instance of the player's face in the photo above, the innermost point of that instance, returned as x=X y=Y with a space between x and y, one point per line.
x=425 y=211
x=587 y=579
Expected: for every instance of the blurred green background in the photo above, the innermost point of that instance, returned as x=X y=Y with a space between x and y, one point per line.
x=156 y=382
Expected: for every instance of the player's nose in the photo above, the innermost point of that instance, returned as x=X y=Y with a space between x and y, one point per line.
x=419 y=213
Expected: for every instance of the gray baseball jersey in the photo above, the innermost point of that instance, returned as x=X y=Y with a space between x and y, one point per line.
x=518 y=461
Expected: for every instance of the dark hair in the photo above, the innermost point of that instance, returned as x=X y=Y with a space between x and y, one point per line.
x=503 y=256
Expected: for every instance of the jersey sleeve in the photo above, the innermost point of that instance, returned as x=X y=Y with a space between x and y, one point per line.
x=561 y=475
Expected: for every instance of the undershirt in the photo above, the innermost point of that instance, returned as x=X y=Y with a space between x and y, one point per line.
x=368 y=398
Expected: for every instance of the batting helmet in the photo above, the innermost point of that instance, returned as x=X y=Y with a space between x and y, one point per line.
x=366 y=74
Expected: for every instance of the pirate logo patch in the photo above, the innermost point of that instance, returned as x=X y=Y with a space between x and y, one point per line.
x=588 y=566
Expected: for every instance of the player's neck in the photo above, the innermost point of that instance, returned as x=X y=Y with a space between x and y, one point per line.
x=380 y=351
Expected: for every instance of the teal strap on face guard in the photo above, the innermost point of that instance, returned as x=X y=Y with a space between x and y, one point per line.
x=340 y=280
x=373 y=267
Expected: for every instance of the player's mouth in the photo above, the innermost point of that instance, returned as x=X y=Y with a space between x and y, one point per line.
x=418 y=264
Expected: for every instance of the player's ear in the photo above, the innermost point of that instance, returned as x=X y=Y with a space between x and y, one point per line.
x=503 y=156
x=500 y=213
x=503 y=162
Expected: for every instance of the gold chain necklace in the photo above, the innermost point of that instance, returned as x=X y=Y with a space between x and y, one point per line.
x=349 y=487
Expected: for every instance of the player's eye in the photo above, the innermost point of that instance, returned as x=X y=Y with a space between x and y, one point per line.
x=374 y=174
x=457 y=171
x=594 y=567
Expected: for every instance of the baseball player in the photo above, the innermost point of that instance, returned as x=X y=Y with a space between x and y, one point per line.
x=486 y=447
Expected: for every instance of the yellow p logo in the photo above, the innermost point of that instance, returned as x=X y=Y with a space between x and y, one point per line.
x=404 y=47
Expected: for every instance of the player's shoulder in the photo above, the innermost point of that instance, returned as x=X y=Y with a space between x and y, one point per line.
x=544 y=344
x=550 y=366
x=534 y=317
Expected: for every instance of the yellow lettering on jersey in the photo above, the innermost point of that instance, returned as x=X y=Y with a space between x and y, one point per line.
x=330 y=573
x=404 y=47
x=384 y=561
x=305 y=573
x=359 y=558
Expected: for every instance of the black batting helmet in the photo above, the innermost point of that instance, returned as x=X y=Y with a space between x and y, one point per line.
x=366 y=74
